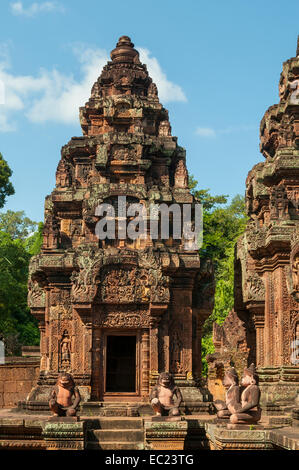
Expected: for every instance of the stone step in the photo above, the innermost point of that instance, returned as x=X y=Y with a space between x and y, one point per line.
x=116 y=435
x=113 y=409
x=114 y=423
x=94 y=445
x=284 y=420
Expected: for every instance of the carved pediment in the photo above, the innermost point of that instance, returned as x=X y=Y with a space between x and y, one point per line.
x=36 y=295
x=255 y=290
x=132 y=285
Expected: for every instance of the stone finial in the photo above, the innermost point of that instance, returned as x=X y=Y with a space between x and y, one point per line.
x=124 y=51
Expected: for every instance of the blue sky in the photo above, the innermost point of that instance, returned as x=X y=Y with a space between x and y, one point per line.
x=217 y=66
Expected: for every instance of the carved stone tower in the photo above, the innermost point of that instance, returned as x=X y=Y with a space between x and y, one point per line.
x=267 y=261
x=114 y=313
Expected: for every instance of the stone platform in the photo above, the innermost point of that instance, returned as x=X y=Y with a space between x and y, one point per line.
x=19 y=431
x=251 y=437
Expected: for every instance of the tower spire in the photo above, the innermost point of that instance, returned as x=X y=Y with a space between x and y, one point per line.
x=124 y=51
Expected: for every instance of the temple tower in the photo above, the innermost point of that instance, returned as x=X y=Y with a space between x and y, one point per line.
x=116 y=312
x=267 y=258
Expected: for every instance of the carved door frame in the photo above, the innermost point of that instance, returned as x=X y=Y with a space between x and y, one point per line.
x=122 y=332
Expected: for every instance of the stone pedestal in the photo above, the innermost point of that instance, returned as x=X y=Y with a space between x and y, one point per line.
x=63 y=419
x=64 y=435
x=247 y=438
x=278 y=384
x=165 y=434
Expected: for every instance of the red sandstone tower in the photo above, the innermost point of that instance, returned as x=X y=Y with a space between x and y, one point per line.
x=116 y=313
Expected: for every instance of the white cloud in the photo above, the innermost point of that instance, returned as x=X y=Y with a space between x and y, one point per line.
x=51 y=95
x=211 y=132
x=63 y=95
x=168 y=91
x=2 y=92
x=206 y=132
x=35 y=8
x=54 y=96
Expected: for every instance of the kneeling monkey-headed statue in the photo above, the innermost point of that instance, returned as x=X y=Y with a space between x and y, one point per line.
x=248 y=410
x=61 y=402
x=166 y=397
x=232 y=397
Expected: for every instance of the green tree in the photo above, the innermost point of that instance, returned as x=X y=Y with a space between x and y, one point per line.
x=15 y=320
x=6 y=187
x=16 y=224
x=34 y=243
x=17 y=245
x=17 y=326
x=223 y=223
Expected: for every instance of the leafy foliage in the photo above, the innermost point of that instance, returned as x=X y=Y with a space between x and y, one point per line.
x=17 y=326
x=16 y=224
x=17 y=244
x=6 y=187
x=223 y=223
x=33 y=244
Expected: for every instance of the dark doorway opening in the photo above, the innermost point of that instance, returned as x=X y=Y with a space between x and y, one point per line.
x=121 y=364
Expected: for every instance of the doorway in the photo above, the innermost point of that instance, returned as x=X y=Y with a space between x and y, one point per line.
x=121 y=364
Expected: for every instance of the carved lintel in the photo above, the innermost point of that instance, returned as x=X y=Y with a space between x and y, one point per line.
x=83 y=309
x=157 y=310
x=38 y=313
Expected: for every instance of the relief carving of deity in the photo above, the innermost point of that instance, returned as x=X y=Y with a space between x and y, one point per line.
x=295 y=272
x=65 y=351
x=181 y=175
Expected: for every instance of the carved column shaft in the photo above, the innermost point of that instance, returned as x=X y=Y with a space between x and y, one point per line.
x=97 y=373
x=43 y=345
x=259 y=324
x=269 y=300
x=145 y=362
x=154 y=348
x=197 y=335
x=87 y=346
x=54 y=337
x=281 y=335
x=47 y=328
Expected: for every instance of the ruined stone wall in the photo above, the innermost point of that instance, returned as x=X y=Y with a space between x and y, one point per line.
x=231 y=340
x=17 y=377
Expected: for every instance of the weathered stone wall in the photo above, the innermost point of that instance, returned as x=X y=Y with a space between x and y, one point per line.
x=231 y=349
x=17 y=377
